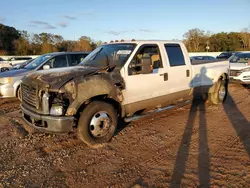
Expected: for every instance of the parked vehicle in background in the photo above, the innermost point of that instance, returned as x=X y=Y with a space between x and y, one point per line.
x=240 y=68
x=13 y=61
x=10 y=80
x=1 y=59
x=17 y=66
x=224 y=55
x=16 y=59
x=203 y=58
x=128 y=80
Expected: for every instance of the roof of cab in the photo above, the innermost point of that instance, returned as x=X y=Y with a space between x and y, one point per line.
x=144 y=42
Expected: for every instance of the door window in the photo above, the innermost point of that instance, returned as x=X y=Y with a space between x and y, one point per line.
x=147 y=51
x=175 y=55
x=58 y=62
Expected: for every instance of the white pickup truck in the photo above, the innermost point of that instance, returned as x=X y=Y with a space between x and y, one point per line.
x=129 y=79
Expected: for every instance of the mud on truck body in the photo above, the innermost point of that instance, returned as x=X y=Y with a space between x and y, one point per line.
x=119 y=80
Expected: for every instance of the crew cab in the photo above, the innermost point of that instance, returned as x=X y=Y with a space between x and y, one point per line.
x=129 y=80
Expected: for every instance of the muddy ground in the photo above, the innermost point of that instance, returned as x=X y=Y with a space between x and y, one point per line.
x=195 y=146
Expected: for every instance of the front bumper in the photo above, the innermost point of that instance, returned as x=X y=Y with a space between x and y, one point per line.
x=235 y=81
x=241 y=78
x=239 y=81
x=6 y=91
x=48 y=123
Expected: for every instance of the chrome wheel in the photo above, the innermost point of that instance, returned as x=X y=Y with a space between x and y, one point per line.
x=100 y=123
x=222 y=93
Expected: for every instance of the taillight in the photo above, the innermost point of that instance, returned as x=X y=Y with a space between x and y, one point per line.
x=249 y=62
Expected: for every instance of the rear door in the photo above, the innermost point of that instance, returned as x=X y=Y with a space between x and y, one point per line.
x=178 y=70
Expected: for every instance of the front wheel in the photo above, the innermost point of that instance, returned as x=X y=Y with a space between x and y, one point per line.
x=219 y=93
x=97 y=123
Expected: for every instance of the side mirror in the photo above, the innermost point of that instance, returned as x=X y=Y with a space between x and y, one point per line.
x=46 y=67
x=146 y=65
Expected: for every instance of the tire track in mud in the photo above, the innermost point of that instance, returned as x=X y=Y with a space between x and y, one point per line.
x=158 y=158
x=143 y=154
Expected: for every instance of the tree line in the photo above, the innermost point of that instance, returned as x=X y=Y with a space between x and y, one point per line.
x=15 y=42
x=197 y=40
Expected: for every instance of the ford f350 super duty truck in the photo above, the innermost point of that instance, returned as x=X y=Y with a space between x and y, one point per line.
x=128 y=80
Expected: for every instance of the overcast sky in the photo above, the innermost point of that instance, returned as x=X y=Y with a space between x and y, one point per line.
x=125 y=19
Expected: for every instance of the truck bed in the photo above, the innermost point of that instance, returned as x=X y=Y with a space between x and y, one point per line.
x=199 y=62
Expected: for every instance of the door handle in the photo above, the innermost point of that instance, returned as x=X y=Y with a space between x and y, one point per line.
x=187 y=73
x=165 y=76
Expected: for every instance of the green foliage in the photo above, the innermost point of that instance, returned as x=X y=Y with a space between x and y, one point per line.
x=196 y=41
x=22 y=43
x=7 y=37
x=17 y=42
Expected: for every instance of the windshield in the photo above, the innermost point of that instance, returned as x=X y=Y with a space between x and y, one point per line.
x=109 y=55
x=37 y=62
x=240 y=58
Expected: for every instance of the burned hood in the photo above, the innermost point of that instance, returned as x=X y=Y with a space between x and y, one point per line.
x=54 y=79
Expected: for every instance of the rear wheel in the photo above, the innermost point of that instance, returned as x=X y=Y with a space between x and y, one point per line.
x=97 y=123
x=219 y=93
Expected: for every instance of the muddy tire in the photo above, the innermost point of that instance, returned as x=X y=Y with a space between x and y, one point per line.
x=97 y=123
x=219 y=93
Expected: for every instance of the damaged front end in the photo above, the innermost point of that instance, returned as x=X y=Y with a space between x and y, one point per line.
x=82 y=90
x=53 y=106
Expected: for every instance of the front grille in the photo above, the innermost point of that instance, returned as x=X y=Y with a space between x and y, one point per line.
x=235 y=73
x=29 y=95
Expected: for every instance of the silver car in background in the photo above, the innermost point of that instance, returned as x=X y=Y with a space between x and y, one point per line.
x=10 y=80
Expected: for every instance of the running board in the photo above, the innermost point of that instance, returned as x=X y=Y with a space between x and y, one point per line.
x=136 y=117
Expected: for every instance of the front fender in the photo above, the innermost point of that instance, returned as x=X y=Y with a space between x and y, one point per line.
x=81 y=90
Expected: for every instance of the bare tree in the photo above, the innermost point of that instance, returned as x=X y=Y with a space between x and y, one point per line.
x=194 y=39
x=245 y=38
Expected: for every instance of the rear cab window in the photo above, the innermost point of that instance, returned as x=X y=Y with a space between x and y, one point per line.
x=175 y=55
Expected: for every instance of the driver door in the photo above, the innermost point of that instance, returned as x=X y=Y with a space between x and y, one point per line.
x=143 y=87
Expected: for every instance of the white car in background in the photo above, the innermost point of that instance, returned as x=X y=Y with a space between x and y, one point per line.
x=14 y=61
x=240 y=68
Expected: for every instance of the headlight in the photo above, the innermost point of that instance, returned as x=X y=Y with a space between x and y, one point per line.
x=6 y=80
x=246 y=70
x=58 y=104
x=56 y=110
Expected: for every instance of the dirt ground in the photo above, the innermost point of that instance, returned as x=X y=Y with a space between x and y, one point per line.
x=194 y=146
